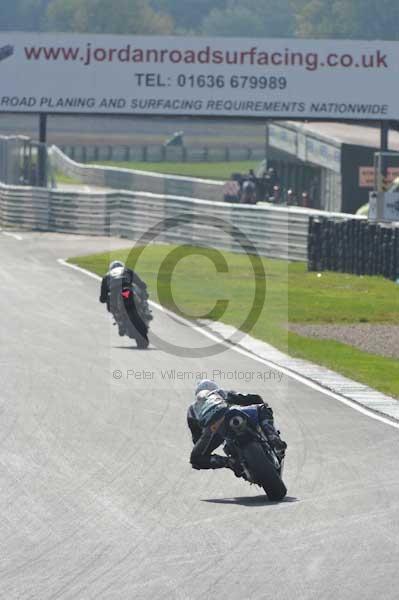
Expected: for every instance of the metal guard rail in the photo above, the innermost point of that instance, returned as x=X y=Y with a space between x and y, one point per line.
x=128 y=179
x=276 y=232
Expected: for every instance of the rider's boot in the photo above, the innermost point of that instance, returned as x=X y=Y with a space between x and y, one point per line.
x=273 y=436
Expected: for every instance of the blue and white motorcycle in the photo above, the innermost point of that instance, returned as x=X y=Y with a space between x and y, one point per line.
x=247 y=443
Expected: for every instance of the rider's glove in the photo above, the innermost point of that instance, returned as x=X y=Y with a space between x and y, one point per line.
x=235 y=466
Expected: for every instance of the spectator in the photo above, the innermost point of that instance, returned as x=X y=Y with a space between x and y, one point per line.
x=258 y=188
x=305 y=200
x=269 y=181
x=248 y=195
x=274 y=178
x=276 y=196
x=291 y=198
x=252 y=176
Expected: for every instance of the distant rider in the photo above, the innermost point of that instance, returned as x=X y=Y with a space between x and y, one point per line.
x=118 y=277
x=203 y=416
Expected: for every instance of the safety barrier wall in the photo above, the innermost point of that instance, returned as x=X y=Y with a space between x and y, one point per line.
x=276 y=232
x=126 y=179
x=160 y=153
x=354 y=246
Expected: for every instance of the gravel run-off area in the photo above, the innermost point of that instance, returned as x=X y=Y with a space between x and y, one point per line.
x=373 y=338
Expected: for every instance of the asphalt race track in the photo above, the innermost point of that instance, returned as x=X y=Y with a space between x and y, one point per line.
x=97 y=499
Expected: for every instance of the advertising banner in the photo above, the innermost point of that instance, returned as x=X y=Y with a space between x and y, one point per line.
x=280 y=78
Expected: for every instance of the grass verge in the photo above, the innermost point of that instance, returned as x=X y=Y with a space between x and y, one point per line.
x=292 y=295
x=60 y=178
x=204 y=170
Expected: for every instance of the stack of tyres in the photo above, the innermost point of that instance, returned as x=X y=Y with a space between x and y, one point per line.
x=353 y=246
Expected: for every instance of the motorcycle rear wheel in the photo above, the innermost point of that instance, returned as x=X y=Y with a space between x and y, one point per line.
x=264 y=472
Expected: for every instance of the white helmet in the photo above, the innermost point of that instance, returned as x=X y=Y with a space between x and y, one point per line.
x=205 y=385
x=116 y=264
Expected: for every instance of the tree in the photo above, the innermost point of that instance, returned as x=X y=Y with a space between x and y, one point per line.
x=22 y=15
x=364 y=19
x=250 y=18
x=194 y=12
x=98 y=16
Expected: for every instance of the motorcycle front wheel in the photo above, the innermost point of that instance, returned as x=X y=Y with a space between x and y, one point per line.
x=142 y=342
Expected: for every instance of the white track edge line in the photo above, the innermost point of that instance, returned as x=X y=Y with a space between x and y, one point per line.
x=13 y=235
x=288 y=372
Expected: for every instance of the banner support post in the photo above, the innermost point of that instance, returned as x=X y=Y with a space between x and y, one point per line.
x=384 y=132
x=42 y=152
x=267 y=143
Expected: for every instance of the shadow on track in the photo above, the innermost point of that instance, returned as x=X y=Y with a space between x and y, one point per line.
x=260 y=500
x=133 y=348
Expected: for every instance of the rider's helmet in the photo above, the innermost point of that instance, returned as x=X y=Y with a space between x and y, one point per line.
x=206 y=385
x=116 y=264
x=209 y=400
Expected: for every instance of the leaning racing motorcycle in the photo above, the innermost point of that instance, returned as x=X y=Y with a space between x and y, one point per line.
x=247 y=443
x=132 y=313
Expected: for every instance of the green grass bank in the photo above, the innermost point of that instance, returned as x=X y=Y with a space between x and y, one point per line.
x=292 y=296
x=203 y=170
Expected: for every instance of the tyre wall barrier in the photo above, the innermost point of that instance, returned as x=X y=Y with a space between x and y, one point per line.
x=353 y=246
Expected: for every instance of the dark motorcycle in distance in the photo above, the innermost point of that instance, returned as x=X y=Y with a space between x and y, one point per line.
x=132 y=314
x=247 y=443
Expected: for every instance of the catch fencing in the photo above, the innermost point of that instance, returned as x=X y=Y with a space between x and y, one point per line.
x=127 y=179
x=276 y=232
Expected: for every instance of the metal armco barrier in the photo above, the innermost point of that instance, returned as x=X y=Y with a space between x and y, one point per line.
x=159 y=153
x=127 y=179
x=276 y=232
x=353 y=246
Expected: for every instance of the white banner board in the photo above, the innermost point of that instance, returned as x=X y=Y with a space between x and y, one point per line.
x=286 y=78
